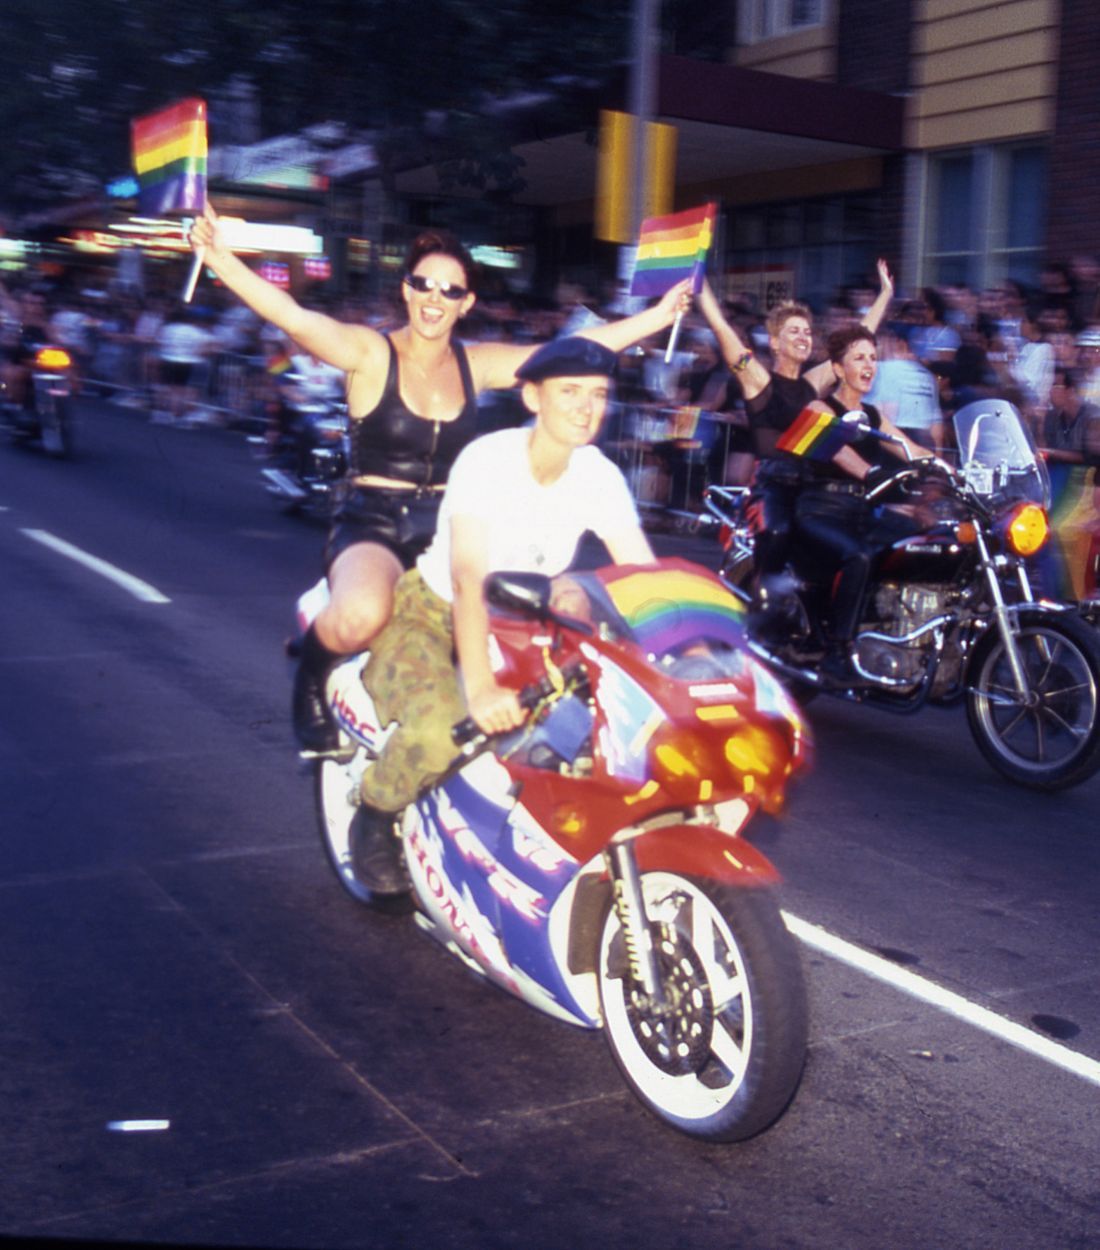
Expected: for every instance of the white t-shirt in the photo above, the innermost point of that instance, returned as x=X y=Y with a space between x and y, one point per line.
x=532 y=528
x=182 y=343
x=906 y=392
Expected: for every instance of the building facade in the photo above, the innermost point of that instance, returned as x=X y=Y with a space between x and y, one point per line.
x=1001 y=159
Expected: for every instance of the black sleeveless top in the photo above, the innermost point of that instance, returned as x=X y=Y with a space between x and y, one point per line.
x=873 y=450
x=773 y=410
x=391 y=441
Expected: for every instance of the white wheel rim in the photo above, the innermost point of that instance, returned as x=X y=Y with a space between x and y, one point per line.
x=338 y=812
x=692 y=1096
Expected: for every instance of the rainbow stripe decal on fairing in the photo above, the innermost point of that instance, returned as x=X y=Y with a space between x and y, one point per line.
x=680 y=605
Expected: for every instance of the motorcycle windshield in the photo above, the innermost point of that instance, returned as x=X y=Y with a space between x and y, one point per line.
x=997 y=454
x=669 y=609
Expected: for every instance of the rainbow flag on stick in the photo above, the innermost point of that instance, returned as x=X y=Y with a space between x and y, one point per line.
x=169 y=155
x=671 y=248
x=815 y=435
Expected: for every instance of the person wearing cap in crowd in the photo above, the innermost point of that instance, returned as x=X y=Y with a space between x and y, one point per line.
x=518 y=499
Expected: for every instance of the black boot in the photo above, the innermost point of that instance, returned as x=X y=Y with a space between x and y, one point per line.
x=313 y=724
x=836 y=664
x=376 y=854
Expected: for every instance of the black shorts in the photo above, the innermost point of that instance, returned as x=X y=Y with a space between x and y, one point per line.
x=402 y=521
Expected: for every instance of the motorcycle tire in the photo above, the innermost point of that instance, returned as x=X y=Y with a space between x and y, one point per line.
x=1052 y=741
x=55 y=426
x=725 y=1064
x=336 y=796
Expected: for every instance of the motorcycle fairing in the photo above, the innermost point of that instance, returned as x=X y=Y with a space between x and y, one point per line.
x=494 y=913
x=703 y=851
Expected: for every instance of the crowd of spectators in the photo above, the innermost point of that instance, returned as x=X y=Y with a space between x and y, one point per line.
x=679 y=424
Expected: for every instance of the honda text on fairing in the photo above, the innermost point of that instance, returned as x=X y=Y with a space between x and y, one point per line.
x=44 y=415
x=950 y=614
x=593 y=862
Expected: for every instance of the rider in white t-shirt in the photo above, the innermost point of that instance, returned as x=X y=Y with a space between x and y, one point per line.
x=518 y=499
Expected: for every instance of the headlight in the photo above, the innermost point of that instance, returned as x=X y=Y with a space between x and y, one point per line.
x=1027 y=529
x=52 y=358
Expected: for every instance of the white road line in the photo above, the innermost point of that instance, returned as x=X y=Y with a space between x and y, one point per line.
x=946 y=1000
x=135 y=586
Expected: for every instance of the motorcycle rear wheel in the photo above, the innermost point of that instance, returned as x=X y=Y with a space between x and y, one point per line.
x=1052 y=740
x=725 y=1062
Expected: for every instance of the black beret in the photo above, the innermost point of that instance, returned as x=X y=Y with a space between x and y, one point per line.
x=570 y=357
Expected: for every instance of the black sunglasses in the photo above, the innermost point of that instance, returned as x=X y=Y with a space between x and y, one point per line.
x=449 y=290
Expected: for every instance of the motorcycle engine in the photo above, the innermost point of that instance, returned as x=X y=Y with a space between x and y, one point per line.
x=900 y=609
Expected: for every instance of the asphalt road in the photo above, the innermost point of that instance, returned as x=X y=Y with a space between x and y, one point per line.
x=175 y=949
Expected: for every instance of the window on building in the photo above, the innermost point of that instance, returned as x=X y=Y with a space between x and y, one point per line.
x=805 y=248
x=985 y=215
x=764 y=19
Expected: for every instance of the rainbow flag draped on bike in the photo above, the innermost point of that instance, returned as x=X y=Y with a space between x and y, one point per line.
x=169 y=155
x=815 y=435
x=671 y=248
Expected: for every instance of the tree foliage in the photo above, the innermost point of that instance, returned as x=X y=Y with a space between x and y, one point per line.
x=401 y=70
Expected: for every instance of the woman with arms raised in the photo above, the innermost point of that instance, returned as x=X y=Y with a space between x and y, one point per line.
x=412 y=404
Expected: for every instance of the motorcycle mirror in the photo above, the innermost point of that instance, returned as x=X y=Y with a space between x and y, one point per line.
x=525 y=593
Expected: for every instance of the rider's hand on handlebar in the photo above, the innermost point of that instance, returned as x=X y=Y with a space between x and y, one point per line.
x=879 y=476
x=494 y=709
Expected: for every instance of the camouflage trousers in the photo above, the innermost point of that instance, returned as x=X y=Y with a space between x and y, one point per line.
x=412 y=678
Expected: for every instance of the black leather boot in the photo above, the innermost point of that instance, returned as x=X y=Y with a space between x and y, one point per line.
x=313 y=725
x=376 y=854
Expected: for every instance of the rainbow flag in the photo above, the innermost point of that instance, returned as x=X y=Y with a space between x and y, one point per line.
x=671 y=248
x=169 y=155
x=815 y=435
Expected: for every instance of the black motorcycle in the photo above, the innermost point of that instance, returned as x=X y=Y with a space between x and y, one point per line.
x=45 y=413
x=949 y=614
x=305 y=453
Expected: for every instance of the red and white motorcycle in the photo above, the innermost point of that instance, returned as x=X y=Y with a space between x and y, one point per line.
x=594 y=862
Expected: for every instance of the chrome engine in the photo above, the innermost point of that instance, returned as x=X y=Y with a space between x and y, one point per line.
x=900 y=612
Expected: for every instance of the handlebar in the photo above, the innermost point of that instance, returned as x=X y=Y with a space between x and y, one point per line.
x=468 y=735
x=913 y=469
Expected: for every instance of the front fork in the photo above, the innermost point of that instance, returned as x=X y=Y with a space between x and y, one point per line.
x=1005 y=622
x=626 y=884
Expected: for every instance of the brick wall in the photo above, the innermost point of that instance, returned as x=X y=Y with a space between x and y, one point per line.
x=873 y=52
x=1073 y=221
x=873 y=44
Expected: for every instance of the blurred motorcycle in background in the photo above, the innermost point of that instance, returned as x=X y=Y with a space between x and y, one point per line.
x=305 y=450
x=44 y=413
x=950 y=613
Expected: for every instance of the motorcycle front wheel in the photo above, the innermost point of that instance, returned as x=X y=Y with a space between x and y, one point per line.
x=336 y=793
x=1049 y=737
x=721 y=1055
x=55 y=423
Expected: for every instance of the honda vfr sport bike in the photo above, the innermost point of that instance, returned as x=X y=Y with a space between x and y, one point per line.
x=593 y=862
x=950 y=613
